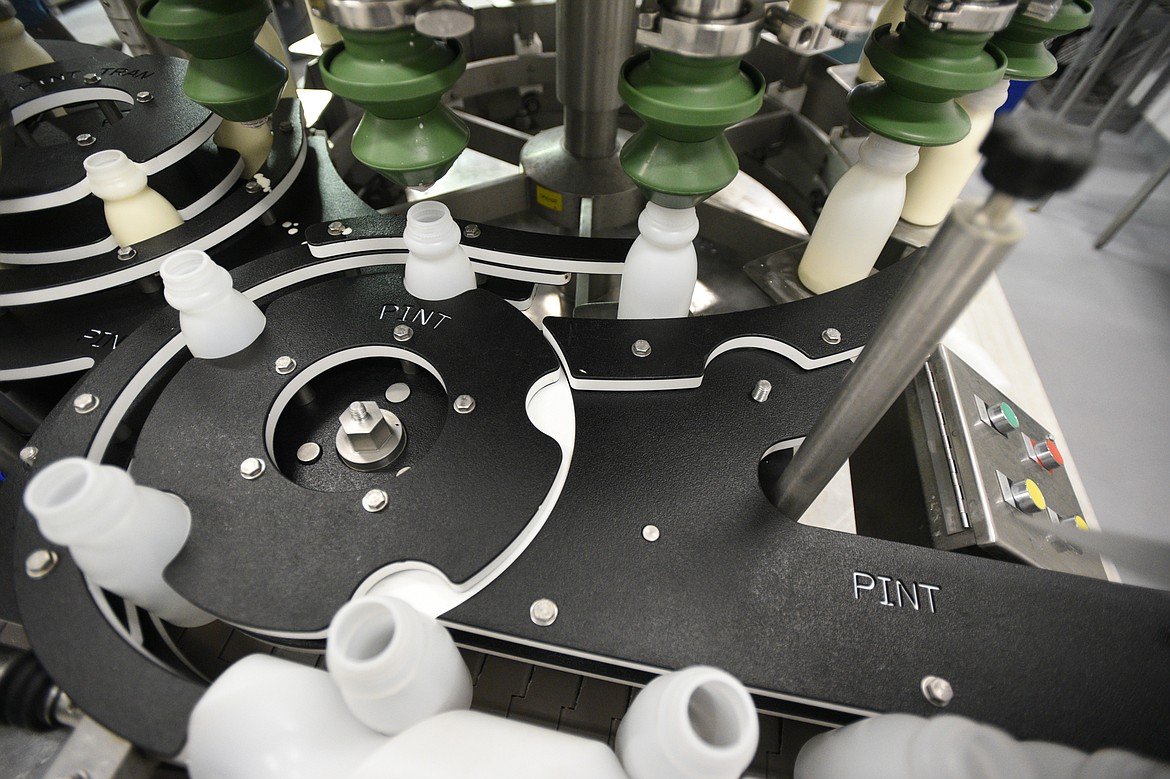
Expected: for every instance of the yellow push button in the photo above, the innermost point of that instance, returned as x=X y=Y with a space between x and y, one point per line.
x=1027 y=496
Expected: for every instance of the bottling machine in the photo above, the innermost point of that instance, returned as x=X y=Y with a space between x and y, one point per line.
x=460 y=372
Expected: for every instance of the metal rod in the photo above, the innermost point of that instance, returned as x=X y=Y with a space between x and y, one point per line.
x=968 y=248
x=1103 y=58
x=1133 y=205
x=1089 y=46
x=1154 y=50
x=1154 y=91
x=594 y=38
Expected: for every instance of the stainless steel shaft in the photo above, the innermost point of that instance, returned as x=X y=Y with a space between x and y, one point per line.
x=594 y=38
x=968 y=248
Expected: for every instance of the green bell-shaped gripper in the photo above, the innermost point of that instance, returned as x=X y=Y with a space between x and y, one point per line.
x=228 y=72
x=1024 y=38
x=399 y=76
x=681 y=157
x=924 y=72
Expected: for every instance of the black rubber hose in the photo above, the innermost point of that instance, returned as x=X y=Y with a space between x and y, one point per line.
x=25 y=691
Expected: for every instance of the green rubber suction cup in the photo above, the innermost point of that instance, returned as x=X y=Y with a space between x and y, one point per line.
x=924 y=72
x=228 y=72
x=1024 y=38
x=399 y=76
x=681 y=158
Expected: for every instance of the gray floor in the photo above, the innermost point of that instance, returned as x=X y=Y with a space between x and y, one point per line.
x=1098 y=326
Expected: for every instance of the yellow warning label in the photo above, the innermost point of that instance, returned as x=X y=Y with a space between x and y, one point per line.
x=549 y=199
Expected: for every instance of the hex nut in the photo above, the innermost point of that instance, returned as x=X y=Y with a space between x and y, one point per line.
x=365 y=427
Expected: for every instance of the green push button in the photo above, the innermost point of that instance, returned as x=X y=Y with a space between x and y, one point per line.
x=1003 y=418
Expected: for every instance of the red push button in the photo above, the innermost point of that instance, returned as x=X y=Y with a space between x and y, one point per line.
x=1048 y=455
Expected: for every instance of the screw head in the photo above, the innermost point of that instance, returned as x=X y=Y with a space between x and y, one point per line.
x=285 y=126
x=40 y=563
x=86 y=402
x=831 y=335
x=403 y=333
x=471 y=231
x=308 y=453
x=651 y=533
x=126 y=253
x=28 y=456
x=641 y=348
x=86 y=139
x=375 y=500
x=336 y=228
x=284 y=365
x=464 y=404
x=937 y=690
x=91 y=78
x=252 y=468
x=543 y=612
x=144 y=96
x=253 y=187
x=762 y=390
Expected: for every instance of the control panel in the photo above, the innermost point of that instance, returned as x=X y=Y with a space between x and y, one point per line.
x=1002 y=484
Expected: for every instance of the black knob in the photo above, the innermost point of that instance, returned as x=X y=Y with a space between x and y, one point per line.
x=1031 y=155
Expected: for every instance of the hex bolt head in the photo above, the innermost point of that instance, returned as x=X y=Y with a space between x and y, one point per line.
x=831 y=335
x=28 y=456
x=144 y=96
x=284 y=365
x=761 y=391
x=403 y=333
x=375 y=500
x=86 y=402
x=937 y=690
x=253 y=187
x=364 y=425
x=40 y=563
x=252 y=468
x=126 y=253
x=86 y=139
x=543 y=612
x=471 y=231
x=91 y=79
x=641 y=348
x=464 y=404
x=336 y=228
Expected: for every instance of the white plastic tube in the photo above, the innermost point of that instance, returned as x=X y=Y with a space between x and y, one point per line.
x=18 y=50
x=658 y=279
x=942 y=171
x=253 y=141
x=216 y=320
x=697 y=723
x=858 y=217
x=134 y=211
x=462 y=744
x=326 y=31
x=266 y=718
x=437 y=268
x=394 y=665
x=812 y=10
x=1117 y=764
x=120 y=534
x=903 y=746
x=893 y=12
x=1055 y=761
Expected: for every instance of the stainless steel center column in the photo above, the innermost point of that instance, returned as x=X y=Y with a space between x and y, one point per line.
x=594 y=38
